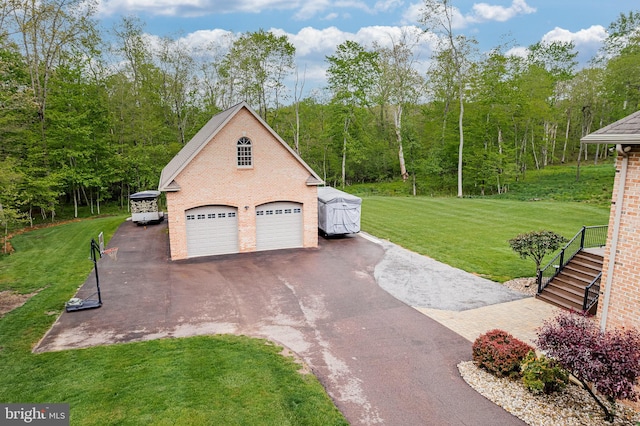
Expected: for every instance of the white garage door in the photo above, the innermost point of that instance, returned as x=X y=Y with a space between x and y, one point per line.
x=212 y=230
x=279 y=225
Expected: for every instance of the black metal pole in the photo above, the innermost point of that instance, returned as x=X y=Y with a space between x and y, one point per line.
x=96 y=248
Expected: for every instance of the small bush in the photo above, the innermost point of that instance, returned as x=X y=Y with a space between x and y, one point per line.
x=543 y=375
x=607 y=361
x=500 y=353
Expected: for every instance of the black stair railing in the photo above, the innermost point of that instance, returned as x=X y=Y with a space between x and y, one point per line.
x=587 y=237
x=591 y=293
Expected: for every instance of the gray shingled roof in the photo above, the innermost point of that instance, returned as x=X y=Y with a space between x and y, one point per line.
x=625 y=131
x=204 y=135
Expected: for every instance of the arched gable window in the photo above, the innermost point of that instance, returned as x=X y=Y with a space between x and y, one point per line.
x=245 y=156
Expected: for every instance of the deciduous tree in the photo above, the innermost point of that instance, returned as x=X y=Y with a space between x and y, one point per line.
x=179 y=87
x=255 y=68
x=437 y=17
x=351 y=75
x=10 y=179
x=536 y=245
x=47 y=29
x=399 y=85
x=558 y=61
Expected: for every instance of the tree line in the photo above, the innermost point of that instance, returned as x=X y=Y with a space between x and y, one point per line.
x=89 y=114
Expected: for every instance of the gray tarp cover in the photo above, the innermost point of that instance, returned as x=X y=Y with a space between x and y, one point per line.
x=338 y=212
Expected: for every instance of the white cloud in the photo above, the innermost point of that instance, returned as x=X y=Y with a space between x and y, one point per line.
x=310 y=9
x=202 y=38
x=519 y=51
x=387 y=5
x=587 y=41
x=330 y=17
x=189 y=8
x=311 y=41
x=483 y=12
x=480 y=12
x=352 y=4
x=412 y=14
x=593 y=35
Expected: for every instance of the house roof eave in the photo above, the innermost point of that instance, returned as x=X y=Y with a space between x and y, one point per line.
x=625 y=131
x=170 y=187
x=314 y=181
x=623 y=139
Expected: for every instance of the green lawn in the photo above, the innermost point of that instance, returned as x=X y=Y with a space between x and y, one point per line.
x=472 y=234
x=215 y=380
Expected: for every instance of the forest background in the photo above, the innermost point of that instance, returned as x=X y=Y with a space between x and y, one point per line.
x=90 y=115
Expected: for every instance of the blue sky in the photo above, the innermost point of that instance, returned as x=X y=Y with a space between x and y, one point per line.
x=316 y=27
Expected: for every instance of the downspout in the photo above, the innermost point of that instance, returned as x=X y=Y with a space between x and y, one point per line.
x=616 y=232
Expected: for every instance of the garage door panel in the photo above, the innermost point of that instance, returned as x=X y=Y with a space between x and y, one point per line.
x=279 y=225
x=212 y=230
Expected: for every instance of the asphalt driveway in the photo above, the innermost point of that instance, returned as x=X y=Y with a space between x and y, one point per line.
x=381 y=361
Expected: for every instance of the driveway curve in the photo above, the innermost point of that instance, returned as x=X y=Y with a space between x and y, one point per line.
x=380 y=360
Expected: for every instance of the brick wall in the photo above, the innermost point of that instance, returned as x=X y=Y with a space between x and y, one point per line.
x=212 y=177
x=624 y=303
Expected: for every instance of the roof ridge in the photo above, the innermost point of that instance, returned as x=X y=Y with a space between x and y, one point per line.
x=206 y=134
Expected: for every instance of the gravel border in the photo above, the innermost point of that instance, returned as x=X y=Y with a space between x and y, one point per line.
x=526 y=286
x=572 y=406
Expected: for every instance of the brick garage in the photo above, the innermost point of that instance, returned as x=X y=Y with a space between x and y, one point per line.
x=237 y=187
x=619 y=303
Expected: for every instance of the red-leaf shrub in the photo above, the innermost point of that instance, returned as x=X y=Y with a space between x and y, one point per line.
x=610 y=361
x=500 y=353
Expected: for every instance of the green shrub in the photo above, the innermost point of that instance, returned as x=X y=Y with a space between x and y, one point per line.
x=500 y=353
x=542 y=374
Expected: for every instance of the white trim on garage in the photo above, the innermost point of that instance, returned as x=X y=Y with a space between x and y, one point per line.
x=211 y=230
x=279 y=225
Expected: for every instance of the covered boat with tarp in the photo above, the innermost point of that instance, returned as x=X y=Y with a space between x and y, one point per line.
x=338 y=211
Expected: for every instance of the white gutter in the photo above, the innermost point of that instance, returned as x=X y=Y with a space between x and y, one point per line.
x=631 y=139
x=616 y=232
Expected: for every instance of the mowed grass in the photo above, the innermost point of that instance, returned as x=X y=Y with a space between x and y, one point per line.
x=561 y=183
x=207 y=380
x=472 y=233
